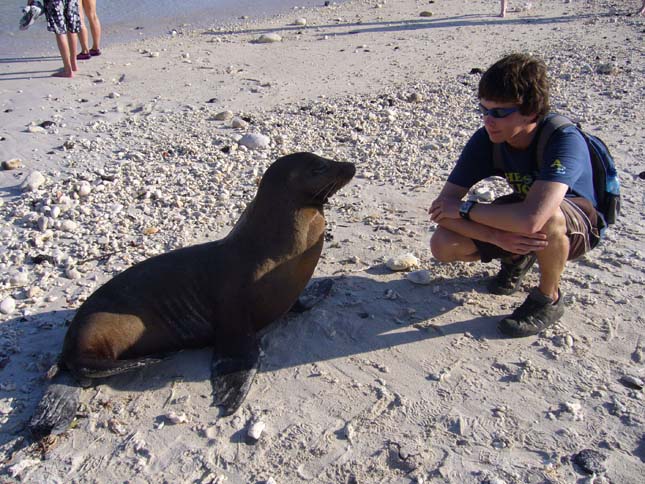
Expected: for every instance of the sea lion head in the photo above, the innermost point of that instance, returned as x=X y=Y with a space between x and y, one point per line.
x=309 y=179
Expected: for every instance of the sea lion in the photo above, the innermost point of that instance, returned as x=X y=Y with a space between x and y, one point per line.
x=216 y=294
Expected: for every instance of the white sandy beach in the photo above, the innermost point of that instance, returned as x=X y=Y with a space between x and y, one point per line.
x=385 y=380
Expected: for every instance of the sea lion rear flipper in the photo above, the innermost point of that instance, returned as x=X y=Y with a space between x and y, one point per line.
x=232 y=376
x=57 y=408
x=312 y=295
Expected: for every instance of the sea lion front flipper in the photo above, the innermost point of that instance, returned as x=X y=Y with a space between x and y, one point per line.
x=232 y=376
x=57 y=408
x=312 y=295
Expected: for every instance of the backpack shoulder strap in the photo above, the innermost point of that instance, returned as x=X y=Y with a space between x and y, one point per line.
x=547 y=127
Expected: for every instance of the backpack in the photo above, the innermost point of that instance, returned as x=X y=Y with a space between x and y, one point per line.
x=605 y=176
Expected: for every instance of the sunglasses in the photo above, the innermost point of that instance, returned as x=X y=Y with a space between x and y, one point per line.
x=497 y=113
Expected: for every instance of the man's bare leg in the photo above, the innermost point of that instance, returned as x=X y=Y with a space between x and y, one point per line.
x=449 y=246
x=503 y=11
x=553 y=258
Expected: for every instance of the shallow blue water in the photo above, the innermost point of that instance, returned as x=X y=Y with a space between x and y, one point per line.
x=126 y=20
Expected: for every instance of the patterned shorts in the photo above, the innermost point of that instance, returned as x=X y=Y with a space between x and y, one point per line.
x=62 y=16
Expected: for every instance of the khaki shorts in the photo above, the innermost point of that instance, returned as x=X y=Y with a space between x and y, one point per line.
x=582 y=228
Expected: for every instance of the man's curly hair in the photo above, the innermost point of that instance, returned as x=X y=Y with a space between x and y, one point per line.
x=519 y=79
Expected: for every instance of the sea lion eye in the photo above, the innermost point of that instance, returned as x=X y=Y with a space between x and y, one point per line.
x=319 y=169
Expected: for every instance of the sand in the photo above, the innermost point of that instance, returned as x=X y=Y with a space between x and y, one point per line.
x=385 y=380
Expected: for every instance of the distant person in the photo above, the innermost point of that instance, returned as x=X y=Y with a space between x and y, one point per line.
x=88 y=8
x=503 y=12
x=550 y=217
x=63 y=19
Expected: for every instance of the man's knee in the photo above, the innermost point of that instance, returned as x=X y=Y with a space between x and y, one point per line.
x=447 y=246
x=556 y=226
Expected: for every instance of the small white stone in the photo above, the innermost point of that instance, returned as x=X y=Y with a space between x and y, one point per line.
x=255 y=430
x=269 y=38
x=114 y=95
x=255 y=141
x=176 y=418
x=238 y=123
x=36 y=129
x=73 y=274
x=68 y=226
x=8 y=305
x=84 y=188
x=300 y=21
x=420 y=277
x=402 y=262
x=19 y=279
x=33 y=181
x=223 y=116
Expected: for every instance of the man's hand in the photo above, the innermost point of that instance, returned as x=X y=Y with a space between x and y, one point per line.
x=444 y=207
x=520 y=243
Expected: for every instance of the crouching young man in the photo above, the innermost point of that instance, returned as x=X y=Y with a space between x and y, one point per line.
x=550 y=216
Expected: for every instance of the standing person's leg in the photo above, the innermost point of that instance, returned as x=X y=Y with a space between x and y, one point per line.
x=83 y=36
x=502 y=13
x=642 y=10
x=95 y=25
x=62 y=41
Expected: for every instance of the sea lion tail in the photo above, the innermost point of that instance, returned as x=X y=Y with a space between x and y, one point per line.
x=57 y=407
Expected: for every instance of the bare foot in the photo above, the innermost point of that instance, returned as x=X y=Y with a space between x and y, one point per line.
x=63 y=73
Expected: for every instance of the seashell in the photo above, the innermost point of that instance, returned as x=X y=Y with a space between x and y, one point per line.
x=223 y=116
x=238 y=123
x=402 y=262
x=84 y=189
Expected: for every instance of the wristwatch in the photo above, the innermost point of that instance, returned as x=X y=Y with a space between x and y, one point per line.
x=465 y=208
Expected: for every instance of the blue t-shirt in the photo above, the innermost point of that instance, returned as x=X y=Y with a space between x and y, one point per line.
x=566 y=160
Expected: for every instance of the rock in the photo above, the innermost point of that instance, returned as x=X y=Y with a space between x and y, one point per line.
x=425 y=13
x=402 y=262
x=256 y=429
x=300 y=21
x=590 y=461
x=13 y=164
x=153 y=54
x=114 y=95
x=84 y=189
x=238 y=123
x=175 y=418
x=68 y=226
x=415 y=97
x=632 y=382
x=33 y=181
x=223 y=116
x=268 y=38
x=36 y=129
x=420 y=277
x=255 y=141
x=8 y=305
x=607 y=68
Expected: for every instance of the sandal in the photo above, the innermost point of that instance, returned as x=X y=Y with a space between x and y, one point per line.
x=95 y=52
x=83 y=56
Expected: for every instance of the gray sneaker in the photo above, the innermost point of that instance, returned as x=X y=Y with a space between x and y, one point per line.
x=510 y=276
x=536 y=313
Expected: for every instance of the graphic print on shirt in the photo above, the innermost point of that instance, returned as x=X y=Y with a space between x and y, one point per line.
x=521 y=182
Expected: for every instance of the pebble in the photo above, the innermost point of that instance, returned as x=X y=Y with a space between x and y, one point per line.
x=238 y=123
x=33 y=181
x=254 y=141
x=300 y=21
x=256 y=429
x=606 y=69
x=8 y=305
x=114 y=95
x=415 y=97
x=36 y=129
x=402 y=262
x=268 y=38
x=176 y=418
x=632 y=382
x=223 y=116
x=68 y=226
x=422 y=277
x=591 y=461
x=425 y=13
x=13 y=164
x=84 y=189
